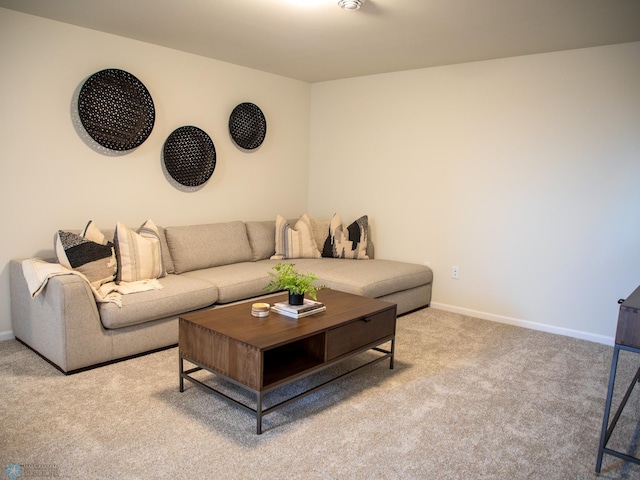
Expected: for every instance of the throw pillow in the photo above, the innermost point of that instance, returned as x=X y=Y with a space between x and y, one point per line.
x=139 y=253
x=349 y=242
x=93 y=233
x=320 y=230
x=296 y=242
x=95 y=260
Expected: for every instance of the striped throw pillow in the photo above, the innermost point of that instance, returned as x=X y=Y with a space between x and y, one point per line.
x=139 y=254
x=296 y=242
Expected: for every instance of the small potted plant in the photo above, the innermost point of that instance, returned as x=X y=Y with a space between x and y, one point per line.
x=286 y=277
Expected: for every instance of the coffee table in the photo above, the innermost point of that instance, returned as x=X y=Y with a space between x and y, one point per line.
x=262 y=354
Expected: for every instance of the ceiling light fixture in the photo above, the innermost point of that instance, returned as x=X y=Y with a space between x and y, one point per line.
x=351 y=4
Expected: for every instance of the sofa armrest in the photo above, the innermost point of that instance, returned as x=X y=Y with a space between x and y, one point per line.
x=62 y=323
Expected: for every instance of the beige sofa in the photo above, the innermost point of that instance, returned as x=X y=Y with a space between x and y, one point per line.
x=208 y=266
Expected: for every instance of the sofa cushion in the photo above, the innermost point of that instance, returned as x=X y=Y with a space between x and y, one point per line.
x=262 y=239
x=94 y=260
x=237 y=281
x=349 y=242
x=139 y=253
x=166 y=256
x=296 y=242
x=178 y=295
x=374 y=278
x=203 y=246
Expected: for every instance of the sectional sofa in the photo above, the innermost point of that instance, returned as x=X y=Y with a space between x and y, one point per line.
x=207 y=266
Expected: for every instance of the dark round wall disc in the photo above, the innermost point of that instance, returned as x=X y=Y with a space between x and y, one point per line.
x=116 y=109
x=189 y=156
x=247 y=126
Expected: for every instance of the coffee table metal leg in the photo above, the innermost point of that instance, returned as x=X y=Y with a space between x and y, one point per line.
x=259 y=410
x=393 y=348
x=180 y=372
x=259 y=413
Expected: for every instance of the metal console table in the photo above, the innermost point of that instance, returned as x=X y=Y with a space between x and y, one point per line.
x=627 y=338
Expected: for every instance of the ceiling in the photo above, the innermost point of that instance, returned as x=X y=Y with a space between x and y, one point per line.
x=315 y=40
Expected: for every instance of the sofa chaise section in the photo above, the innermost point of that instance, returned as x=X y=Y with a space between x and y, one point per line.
x=407 y=284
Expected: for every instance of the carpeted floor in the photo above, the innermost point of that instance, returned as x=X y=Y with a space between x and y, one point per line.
x=468 y=399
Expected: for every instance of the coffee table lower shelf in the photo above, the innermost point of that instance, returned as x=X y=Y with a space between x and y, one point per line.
x=259 y=411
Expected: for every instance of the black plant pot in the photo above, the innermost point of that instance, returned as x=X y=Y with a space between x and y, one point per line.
x=296 y=299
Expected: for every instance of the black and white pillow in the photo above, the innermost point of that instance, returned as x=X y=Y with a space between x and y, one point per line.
x=350 y=242
x=96 y=261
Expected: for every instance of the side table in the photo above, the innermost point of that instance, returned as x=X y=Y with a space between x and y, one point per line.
x=627 y=338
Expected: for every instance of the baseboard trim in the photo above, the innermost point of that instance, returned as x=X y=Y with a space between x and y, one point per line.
x=7 y=335
x=568 y=332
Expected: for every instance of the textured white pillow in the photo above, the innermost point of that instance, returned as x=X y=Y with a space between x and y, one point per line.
x=93 y=233
x=296 y=242
x=320 y=230
x=139 y=254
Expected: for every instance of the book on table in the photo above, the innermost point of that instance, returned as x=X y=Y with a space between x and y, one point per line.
x=305 y=313
x=307 y=306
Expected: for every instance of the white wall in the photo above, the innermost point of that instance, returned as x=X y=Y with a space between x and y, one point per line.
x=50 y=179
x=524 y=172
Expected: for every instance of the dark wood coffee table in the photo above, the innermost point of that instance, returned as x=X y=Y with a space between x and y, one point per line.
x=262 y=354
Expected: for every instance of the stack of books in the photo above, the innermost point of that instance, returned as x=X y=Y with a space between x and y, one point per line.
x=309 y=307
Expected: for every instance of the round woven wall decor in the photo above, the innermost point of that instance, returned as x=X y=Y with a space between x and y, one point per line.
x=189 y=156
x=116 y=109
x=247 y=126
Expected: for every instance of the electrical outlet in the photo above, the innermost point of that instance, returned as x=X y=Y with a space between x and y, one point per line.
x=455 y=273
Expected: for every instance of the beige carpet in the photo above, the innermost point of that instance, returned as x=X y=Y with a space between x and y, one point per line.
x=468 y=399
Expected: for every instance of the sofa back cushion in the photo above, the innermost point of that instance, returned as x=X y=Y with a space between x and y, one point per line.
x=203 y=246
x=262 y=237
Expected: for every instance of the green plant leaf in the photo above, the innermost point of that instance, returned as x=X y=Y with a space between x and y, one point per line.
x=286 y=277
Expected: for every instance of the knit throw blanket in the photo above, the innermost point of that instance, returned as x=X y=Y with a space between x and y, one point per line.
x=37 y=273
